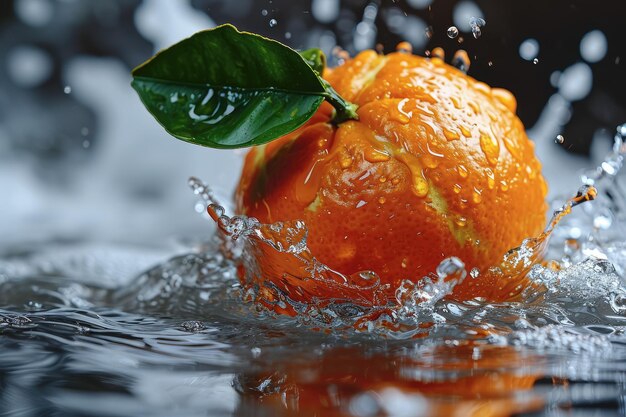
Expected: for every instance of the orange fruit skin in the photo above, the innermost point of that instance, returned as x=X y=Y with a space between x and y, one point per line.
x=437 y=165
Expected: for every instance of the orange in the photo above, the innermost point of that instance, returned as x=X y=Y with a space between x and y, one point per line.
x=437 y=165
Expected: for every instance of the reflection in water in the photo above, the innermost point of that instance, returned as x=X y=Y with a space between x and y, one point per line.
x=465 y=380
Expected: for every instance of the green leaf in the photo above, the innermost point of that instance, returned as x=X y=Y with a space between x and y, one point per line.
x=227 y=89
x=315 y=58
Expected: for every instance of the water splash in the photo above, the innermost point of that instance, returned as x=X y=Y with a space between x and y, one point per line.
x=452 y=32
x=570 y=275
x=291 y=281
x=565 y=331
x=476 y=25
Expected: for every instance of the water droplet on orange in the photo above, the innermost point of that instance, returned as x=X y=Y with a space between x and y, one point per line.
x=403 y=116
x=505 y=97
x=490 y=147
x=450 y=135
x=460 y=221
x=504 y=186
x=438 y=53
x=382 y=200
x=457 y=188
x=375 y=155
x=456 y=102
x=482 y=87
x=477 y=196
x=474 y=106
x=513 y=148
x=404 y=47
x=463 y=173
x=420 y=186
x=491 y=179
x=466 y=132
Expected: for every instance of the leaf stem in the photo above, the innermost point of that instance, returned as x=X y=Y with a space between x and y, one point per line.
x=344 y=110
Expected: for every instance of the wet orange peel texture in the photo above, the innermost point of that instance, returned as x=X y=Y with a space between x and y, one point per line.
x=437 y=165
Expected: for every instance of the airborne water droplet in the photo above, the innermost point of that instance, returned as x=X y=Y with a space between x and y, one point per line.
x=559 y=139
x=602 y=221
x=273 y=22
x=476 y=23
x=535 y=61
x=429 y=32
x=450 y=267
x=67 y=89
x=452 y=32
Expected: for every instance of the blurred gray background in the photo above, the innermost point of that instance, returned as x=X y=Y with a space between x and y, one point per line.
x=81 y=160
